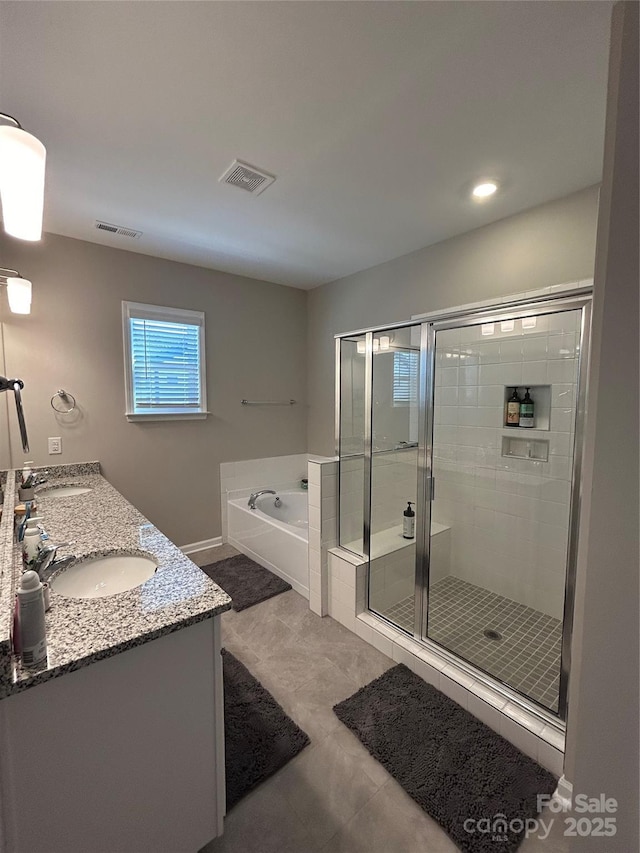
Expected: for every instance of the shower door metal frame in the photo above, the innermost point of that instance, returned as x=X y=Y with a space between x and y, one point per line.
x=424 y=495
x=579 y=299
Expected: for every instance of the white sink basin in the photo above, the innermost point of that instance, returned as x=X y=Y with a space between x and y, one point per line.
x=97 y=577
x=63 y=491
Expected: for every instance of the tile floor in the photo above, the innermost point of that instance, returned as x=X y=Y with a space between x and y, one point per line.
x=528 y=655
x=333 y=797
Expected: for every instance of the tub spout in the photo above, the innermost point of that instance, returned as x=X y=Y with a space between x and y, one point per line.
x=254 y=497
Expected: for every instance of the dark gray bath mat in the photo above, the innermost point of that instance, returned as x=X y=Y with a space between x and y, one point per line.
x=259 y=737
x=455 y=768
x=245 y=581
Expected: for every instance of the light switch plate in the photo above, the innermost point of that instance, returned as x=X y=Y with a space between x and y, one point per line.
x=55 y=445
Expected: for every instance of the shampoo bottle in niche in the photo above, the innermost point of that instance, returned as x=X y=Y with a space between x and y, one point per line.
x=31 y=624
x=513 y=410
x=409 y=522
x=527 y=411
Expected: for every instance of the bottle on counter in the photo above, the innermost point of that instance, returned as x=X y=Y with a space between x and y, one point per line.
x=31 y=542
x=527 y=418
x=30 y=622
x=22 y=513
x=513 y=410
x=409 y=522
x=27 y=472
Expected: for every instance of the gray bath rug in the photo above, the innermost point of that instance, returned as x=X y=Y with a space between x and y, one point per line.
x=259 y=737
x=457 y=769
x=245 y=581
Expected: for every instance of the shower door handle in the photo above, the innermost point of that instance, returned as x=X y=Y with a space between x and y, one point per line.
x=431 y=488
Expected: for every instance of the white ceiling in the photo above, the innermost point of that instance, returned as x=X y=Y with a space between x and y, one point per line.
x=375 y=117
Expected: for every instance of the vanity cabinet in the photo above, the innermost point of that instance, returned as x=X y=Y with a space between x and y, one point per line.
x=123 y=756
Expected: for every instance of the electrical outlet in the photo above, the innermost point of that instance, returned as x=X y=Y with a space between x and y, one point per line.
x=55 y=445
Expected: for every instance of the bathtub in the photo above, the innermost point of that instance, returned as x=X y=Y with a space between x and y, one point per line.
x=275 y=537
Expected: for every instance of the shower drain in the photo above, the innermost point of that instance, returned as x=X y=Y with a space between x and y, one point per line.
x=490 y=634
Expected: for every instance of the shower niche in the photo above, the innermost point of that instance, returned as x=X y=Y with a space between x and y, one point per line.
x=487 y=575
x=541 y=396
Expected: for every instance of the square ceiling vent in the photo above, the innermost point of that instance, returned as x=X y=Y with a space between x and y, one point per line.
x=247 y=177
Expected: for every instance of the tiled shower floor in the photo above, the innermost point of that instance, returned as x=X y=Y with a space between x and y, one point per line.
x=528 y=655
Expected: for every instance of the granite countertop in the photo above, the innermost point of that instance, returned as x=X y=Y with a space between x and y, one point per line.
x=82 y=631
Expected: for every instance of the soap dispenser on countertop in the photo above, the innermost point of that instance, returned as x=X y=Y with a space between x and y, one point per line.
x=409 y=522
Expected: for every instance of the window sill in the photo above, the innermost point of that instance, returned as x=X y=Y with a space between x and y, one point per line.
x=176 y=416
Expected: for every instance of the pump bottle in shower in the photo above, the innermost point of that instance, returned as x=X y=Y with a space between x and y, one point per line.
x=409 y=523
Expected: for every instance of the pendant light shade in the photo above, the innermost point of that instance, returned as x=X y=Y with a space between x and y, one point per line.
x=22 y=165
x=19 y=295
x=18 y=291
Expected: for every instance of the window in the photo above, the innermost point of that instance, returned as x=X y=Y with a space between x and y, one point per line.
x=405 y=377
x=164 y=362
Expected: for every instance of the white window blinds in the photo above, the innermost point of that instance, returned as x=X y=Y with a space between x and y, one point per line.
x=165 y=355
x=405 y=378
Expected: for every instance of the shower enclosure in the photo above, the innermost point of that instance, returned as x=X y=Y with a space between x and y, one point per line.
x=421 y=417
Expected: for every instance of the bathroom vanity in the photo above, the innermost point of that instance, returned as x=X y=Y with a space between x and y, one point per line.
x=117 y=742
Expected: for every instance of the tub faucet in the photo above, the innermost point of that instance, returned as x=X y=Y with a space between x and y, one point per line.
x=254 y=497
x=46 y=564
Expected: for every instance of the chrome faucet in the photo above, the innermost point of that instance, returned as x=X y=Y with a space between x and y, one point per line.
x=46 y=564
x=254 y=497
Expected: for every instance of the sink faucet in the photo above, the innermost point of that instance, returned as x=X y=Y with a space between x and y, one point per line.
x=46 y=564
x=254 y=497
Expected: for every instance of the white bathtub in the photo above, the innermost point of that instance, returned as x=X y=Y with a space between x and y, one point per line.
x=275 y=537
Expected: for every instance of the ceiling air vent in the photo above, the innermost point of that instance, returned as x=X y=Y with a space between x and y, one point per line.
x=247 y=177
x=118 y=230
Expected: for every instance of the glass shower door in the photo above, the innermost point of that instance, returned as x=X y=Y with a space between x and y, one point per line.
x=396 y=516
x=500 y=517
x=351 y=408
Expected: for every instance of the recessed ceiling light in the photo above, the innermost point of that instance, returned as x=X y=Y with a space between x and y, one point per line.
x=484 y=189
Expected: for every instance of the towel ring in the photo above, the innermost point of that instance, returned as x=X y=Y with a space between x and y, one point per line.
x=69 y=399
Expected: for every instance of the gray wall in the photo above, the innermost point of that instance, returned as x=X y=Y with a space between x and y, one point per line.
x=602 y=730
x=256 y=348
x=546 y=245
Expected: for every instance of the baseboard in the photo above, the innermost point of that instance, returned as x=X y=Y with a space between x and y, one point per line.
x=564 y=792
x=194 y=547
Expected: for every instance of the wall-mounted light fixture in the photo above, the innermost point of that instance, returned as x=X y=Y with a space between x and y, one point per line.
x=22 y=162
x=18 y=291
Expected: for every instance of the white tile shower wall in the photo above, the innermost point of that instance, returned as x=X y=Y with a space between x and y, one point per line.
x=541 y=742
x=508 y=517
x=273 y=472
x=351 y=500
x=323 y=502
x=393 y=483
x=392 y=576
